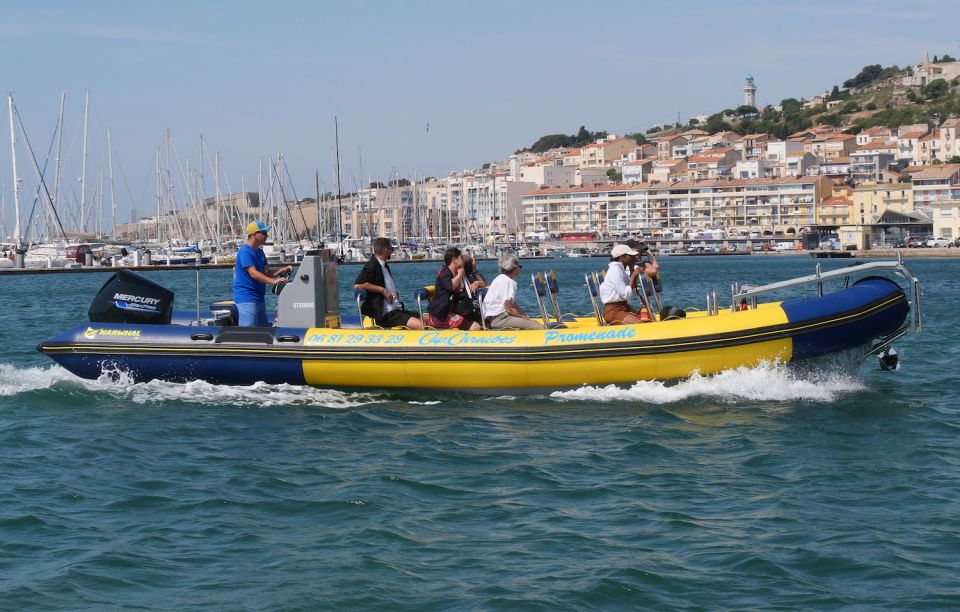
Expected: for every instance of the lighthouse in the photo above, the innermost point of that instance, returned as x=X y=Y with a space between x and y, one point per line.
x=750 y=92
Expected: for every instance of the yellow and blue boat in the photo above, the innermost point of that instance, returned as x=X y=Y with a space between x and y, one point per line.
x=132 y=329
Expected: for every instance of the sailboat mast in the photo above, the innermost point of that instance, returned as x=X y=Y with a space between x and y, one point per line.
x=336 y=139
x=100 y=204
x=16 y=178
x=83 y=166
x=158 y=196
x=56 y=182
x=113 y=199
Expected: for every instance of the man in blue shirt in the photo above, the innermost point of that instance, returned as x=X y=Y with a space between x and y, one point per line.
x=251 y=277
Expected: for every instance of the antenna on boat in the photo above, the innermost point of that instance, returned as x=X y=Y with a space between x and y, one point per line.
x=336 y=139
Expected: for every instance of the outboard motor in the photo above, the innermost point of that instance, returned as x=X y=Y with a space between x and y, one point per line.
x=128 y=297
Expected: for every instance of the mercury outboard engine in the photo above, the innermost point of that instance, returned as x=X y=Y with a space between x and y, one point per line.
x=128 y=297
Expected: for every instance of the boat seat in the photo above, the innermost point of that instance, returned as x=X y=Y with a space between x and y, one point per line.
x=225 y=313
x=593 y=289
x=424 y=294
x=539 y=283
x=361 y=296
x=482 y=295
x=554 y=286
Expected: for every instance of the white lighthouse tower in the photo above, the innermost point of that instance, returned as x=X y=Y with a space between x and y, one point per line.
x=750 y=92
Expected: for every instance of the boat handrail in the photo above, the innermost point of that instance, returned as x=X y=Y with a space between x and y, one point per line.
x=747 y=292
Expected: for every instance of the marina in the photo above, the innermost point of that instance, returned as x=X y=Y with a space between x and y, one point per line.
x=768 y=457
x=421 y=306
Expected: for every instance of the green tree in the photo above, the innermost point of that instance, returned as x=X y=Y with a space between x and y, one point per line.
x=638 y=137
x=614 y=175
x=790 y=105
x=868 y=75
x=716 y=124
x=936 y=88
x=835 y=93
x=746 y=109
x=954 y=160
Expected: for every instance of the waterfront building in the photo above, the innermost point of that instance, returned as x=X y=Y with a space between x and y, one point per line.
x=872 y=200
x=834 y=212
x=763 y=206
x=936 y=191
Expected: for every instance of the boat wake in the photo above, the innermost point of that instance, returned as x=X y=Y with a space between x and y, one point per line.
x=765 y=382
x=116 y=383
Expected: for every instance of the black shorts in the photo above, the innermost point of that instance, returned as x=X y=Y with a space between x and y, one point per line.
x=395 y=318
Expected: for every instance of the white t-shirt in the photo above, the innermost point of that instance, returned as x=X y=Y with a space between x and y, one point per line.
x=391 y=287
x=616 y=284
x=502 y=288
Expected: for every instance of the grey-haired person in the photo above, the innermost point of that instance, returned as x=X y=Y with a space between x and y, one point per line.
x=500 y=305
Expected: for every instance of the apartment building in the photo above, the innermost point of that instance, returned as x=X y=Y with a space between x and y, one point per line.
x=712 y=163
x=872 y=200
x=603 y=152
x=776 y=206
x=672 y=147
x=936 y=191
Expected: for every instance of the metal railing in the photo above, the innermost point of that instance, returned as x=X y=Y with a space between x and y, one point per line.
x=747 y=294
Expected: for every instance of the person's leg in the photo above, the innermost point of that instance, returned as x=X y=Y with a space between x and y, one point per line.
x=506 y=321
x=400 y=318
x=618 y=313
x=247 y=314
x=262 y=314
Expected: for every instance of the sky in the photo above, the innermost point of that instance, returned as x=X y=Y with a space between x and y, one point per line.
x=418 y=88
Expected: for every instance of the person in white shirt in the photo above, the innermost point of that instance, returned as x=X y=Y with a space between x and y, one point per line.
x=617 y=286
x=500 y=305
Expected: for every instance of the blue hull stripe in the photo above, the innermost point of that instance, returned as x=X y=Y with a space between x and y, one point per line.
x=852 y=333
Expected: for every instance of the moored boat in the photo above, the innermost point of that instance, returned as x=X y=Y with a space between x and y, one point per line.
x=133 y=329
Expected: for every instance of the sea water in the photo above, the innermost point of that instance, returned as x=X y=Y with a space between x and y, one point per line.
x=833 y=485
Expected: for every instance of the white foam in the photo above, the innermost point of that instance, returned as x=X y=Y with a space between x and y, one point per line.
x=766 y=382
x=14 y=380
x=117 y=383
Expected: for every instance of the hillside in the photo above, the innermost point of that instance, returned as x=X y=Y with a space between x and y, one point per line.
x=875 y=96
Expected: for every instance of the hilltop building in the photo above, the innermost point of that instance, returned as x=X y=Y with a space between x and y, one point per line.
x=750 y=92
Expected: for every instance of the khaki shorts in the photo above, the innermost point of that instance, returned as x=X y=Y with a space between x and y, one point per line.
x=616 y=312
